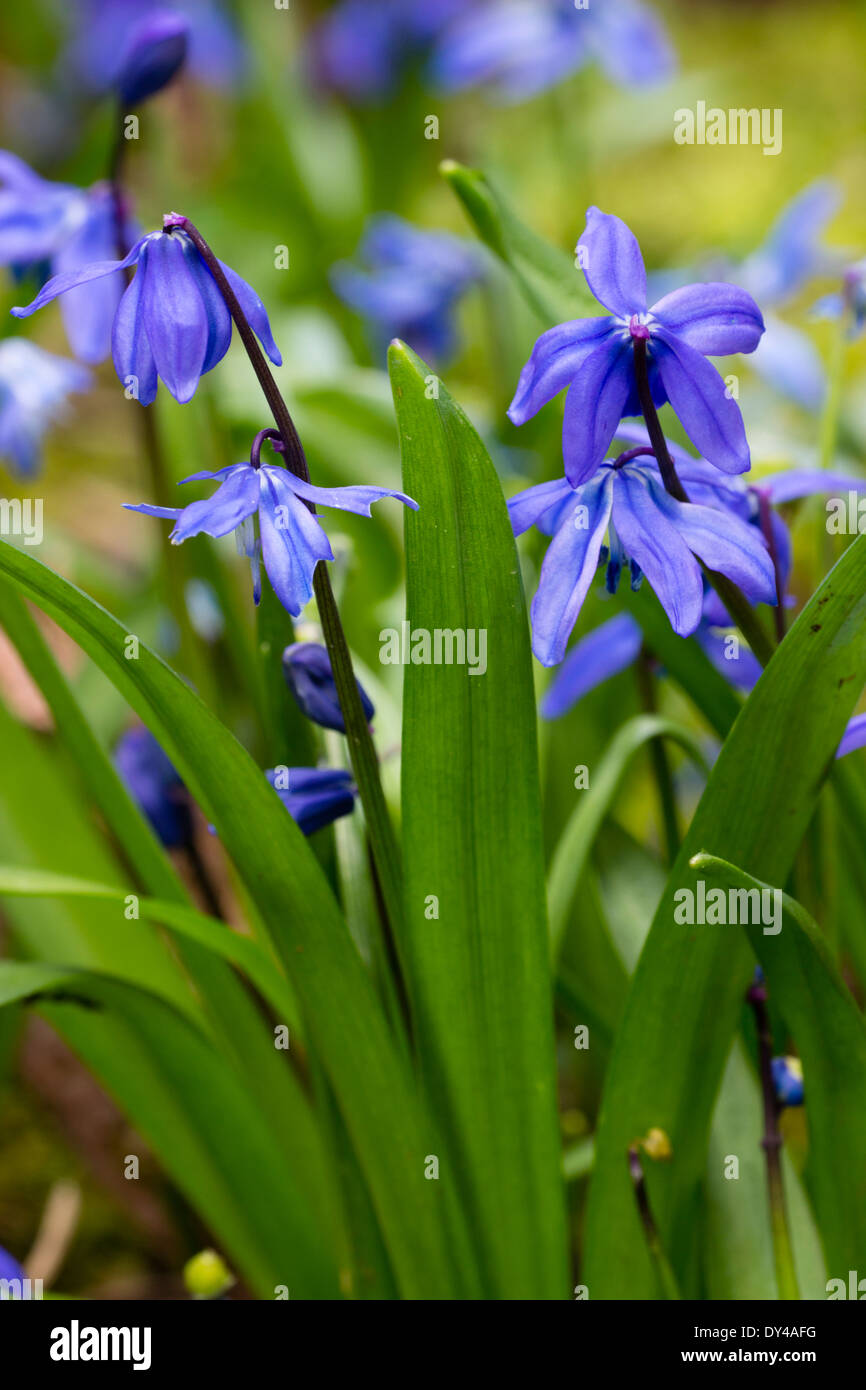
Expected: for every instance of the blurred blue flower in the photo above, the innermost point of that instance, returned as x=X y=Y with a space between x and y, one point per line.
x=10 y=1269
x=595 y=357
x=290 y=539
x=787 y=1080
x=313 y=796
x=153 y=54
x=409 y=284
x=517 y=48
x=171 y=323
x=647 y=529
x=361 y=47
x=307 y=669
x=34 y=386
x=155 y=785
x=104 y=29
x=849 y=301
x=611 y=647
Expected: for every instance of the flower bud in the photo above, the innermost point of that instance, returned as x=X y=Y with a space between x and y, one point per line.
x=207 y=1275
x=155 y=52
x=307 y=669
x=788 y=1080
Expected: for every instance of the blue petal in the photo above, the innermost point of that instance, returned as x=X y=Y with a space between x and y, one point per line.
x=603 y=653
x=568 y=569
x=174 y=315
x=529 y=506
x=612 y=263
x=594 y=407
x=315 y=796
x=255 y=313
x=631 y=43
x=716 y=318
x=710 y=418
x=293 y=542
x=724 y=543
x=806 y=482
x=219 y=320
x=554 y=363
x=308 y=674
x=59 y=284
x=790 y=362
x=650 y=538
x=130 y=349
x=346 y=499
x=791 y=252
x=89 y=310
x=155 y=51
x=737 y=664
x=854 y=736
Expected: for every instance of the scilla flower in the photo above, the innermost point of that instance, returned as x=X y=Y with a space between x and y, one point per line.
x=290 y=539
x=787 y=1080
x=106 y=30
x=595 y=357
x=313 y=796
x=647 y=529
x=34 y=386
x=172 y=323
x=155 y=785
x=307 y=669
x=153 y=54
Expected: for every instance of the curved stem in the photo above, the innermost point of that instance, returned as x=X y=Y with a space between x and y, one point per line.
x=362 y=752
x=786 y=1275
x=735 y=601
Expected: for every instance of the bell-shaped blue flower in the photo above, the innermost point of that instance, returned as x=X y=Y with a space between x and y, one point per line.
x=308 y=673
x=517 y=48
x=105 y=29
x=594 y=358
x=154 y=53
x=313 y=796
x=155 y=785
x=649 y=530
x=409 y=284
x=34 y=387
x=172 y=323
x=787 y=1080
x=290 y=539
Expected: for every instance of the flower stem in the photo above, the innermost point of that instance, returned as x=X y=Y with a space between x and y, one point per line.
x=660 y=1260
x=783 y=1255
x=660 y=760
x=362 y=752
x=735 y=601
x=769 y=535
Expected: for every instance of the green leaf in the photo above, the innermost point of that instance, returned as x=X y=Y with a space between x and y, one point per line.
x=343 y=1020
x=830 y=1036
x=479 y=974
x=576 y=841
x=547 y=276
x=686 y=996
x=213 y=1142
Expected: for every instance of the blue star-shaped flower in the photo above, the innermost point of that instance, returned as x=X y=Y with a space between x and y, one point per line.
x=595 y=357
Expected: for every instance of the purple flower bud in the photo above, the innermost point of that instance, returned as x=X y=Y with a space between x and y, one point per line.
x=154 y=783
x=154 y=53
x=313 y=796
x=788 y=1080
x=307 y=669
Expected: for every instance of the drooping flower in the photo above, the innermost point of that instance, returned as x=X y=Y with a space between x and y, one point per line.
x=595 y=357
x=172 y=323
x=517 y=48
x=154 y=53
x=105 y=28
x=787 y=1080
x=56 y=228
x=34 y=386
x=308 y=673
x=313 y=796
x=409 y=283
x=290 y=539
x=649 y=530
x=155 y=785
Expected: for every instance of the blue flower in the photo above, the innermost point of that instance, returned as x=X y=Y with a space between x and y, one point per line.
x=307 y=669
x=787 y=1080
x=155 y=785
x=647 y=529
x=361 y=47
x=172 y=323
x=153 y=54
x=34 y=385
x=850 y=301
x=595 y=357
x=409 y=284
x=10 y=1268
x=106 y=28
x=290 y=541
x=610 y=648
x=313 y=796
x=64 y=228
x=518 y=48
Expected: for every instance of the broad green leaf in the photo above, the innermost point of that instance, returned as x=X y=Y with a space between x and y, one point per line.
x=476 y=934
x=594 y=804
x=210 y=1135
x=342 y=1017
x=548 y=277
x=686 y=996
x=830 y=1036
